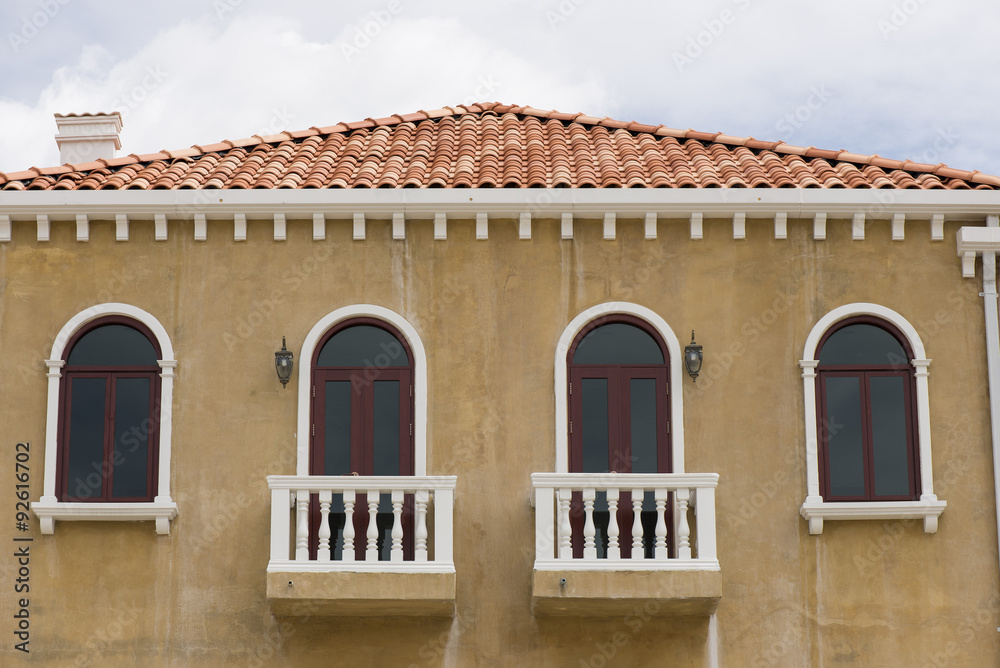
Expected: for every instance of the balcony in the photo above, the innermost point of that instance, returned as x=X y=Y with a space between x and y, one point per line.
x=398 y=563
x=608 y=542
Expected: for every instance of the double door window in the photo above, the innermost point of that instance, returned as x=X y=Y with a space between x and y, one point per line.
x=619 y=417
x=362 y=420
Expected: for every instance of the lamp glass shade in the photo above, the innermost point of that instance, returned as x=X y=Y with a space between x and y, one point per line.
x=283 y=363
x=693 y=358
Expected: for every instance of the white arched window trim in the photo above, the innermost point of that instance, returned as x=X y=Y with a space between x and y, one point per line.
x=815 y=510
x=162 y=508
x=676 y=377
x=419 y=380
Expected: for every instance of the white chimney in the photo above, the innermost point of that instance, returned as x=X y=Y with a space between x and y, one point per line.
x=87 y=137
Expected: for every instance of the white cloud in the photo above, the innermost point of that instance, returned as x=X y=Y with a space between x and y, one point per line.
x=753 y=67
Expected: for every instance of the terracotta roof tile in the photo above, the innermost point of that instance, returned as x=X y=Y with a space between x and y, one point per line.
x=183 y=153
x=210 y=148
x=496 y=145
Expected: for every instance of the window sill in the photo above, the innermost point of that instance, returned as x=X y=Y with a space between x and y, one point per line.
x=48 y=510
x=928 y=508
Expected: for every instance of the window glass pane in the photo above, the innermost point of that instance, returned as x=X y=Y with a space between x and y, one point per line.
x=113 y=345
x=862 y=344
x=617 y=343
x=595 y=427
x=386 y=427
x=132 y=432
x=337 y=428
x=363 y=345
x=643 y=397
x=844 y=436
x=85 y=474
x=889 y=436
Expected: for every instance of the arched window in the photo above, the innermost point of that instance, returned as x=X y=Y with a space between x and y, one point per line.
x=619 y=418
x=865 y=387
x=109 y=423
x=362 y=422
x=619 y=413
x=362 y=403
x=108 y=420
x=867 y=420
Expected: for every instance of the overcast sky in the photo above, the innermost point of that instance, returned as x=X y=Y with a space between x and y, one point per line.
x=911 y=79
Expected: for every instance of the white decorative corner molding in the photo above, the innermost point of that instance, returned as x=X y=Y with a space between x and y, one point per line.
x=304 y=371
x=973 y=241
x=814 y=509
x=162 y=509
x=676 y=393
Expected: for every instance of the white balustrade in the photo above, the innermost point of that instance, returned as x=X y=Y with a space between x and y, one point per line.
x=598 y=525
x=291 y=497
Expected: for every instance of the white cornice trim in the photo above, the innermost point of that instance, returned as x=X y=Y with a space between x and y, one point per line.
x=415 y=203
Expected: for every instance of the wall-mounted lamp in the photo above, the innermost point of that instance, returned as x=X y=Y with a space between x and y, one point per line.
x=283 y=363
x=692 y=358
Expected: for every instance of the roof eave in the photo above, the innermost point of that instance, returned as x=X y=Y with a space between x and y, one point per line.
x=467 y=202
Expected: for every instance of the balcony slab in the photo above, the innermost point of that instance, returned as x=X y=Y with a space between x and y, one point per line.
x=353 y=594
x=603 y=593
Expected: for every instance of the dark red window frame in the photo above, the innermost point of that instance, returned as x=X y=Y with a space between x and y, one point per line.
x=363 y=381
x=619 y=405
x=618 y=394
x=111 y=374
x=864 y=373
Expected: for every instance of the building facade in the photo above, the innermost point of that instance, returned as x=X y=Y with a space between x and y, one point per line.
x=489 y=450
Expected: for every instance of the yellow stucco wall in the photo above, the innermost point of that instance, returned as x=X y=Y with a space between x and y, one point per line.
x=489 y=314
